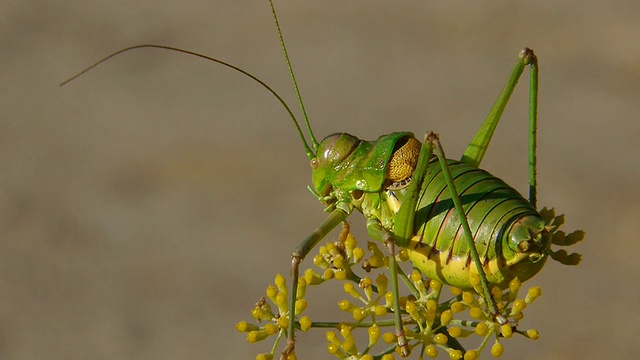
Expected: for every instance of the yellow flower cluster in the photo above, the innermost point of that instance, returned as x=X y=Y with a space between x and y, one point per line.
x=435 y=322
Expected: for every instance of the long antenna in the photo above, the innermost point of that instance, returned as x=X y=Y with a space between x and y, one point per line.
x=309 y=151
x=314 y=142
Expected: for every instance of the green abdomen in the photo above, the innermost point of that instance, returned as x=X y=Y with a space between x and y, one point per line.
x=440 y=249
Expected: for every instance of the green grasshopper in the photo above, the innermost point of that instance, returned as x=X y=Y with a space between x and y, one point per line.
x=457 y=222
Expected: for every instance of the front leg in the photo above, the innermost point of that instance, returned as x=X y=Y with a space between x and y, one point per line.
x=335 y=217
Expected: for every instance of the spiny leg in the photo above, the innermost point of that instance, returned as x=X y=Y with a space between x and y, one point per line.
x=455 y=197
x=478 y=146
x=403 y=228
x=389 y=241
x=335 y=217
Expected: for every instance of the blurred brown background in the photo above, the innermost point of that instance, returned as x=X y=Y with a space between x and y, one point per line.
x=145 y=207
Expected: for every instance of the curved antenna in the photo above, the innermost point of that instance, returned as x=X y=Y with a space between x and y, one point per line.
x=310 y=152
x=314 y=142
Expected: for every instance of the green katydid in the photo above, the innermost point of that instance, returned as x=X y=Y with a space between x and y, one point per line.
x=412 y=201
x=457 y=222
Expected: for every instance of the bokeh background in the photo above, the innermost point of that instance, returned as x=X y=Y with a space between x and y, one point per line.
x=145 y=206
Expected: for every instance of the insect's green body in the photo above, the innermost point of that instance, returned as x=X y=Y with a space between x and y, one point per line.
x=508 y=232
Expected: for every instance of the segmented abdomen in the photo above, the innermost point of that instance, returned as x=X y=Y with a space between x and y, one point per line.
x=491 y=206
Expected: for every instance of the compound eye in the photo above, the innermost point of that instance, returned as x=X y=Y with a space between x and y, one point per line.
x=328 y=149
x=314 y=163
